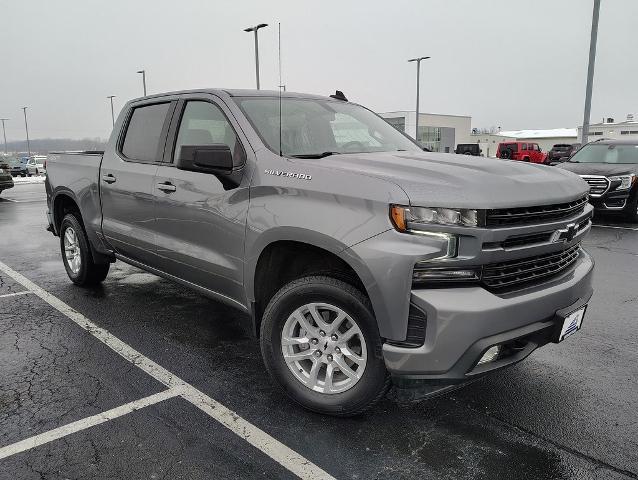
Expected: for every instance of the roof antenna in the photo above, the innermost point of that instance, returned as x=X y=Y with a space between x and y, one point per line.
x=280 y=84
x=339 y=96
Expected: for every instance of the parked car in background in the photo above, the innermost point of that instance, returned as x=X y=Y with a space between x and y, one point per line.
x=524 y=151
x=610 y=167
x=18 y=166
x=468 y=149
x=6 y=180
x=561 y=152
x=37 y=165
x=360 y=258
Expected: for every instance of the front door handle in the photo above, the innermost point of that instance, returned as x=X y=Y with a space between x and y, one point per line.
x=109 y=178
x=166 y=187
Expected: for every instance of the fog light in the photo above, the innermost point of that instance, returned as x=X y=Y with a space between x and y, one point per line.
x=490 y=355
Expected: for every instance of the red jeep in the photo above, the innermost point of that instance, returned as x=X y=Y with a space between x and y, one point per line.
x=525 y=151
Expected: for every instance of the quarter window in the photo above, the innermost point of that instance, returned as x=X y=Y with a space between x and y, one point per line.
x=144 y=132
x=203 y=123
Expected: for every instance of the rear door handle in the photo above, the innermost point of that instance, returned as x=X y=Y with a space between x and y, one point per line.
x=166 y=187
x=109 y=178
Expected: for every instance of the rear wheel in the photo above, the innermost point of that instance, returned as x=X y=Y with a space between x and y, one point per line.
x=76 y=254
x=320 y=343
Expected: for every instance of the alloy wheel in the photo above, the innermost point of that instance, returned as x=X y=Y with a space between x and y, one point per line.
x=324 y=348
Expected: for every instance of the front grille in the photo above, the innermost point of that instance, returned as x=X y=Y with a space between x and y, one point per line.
x=505 y=217
x=516 y=273
x=597 y=185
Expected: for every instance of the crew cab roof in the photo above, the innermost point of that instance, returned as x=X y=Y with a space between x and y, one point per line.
x=238 y=93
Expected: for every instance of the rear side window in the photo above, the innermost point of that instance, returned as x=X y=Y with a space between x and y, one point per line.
x=144 y=131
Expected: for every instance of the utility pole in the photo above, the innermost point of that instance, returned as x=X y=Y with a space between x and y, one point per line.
x=418 y=81
x=4 y=133
x=590 y=71
x=111 y=97
x=255 y=29
x=26 y=127
x=143 y=72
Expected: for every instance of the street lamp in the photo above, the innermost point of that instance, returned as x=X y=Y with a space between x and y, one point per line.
x=143 y=72
x=26 y=127
x=4 y=133
x=590 y=71
x=255 y=29
x=418 y=73
x=111 y=97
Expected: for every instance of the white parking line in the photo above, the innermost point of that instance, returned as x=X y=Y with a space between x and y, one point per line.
x=288 y=458
x=615 y=226
x=25 y=292
x=8 y=200
x=85 y=423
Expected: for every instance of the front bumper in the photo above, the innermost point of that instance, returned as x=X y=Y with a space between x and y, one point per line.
x=614 y=201
x=461 y=323
x=6 y=183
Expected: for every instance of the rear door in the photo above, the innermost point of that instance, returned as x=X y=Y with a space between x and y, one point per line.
x=126 y=180
x=201 y=220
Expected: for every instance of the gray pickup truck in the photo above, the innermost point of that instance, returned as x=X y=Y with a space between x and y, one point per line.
x=361 y=259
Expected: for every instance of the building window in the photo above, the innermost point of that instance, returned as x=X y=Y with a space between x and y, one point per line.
x=595 y=133
x=397 y=122
x=430 y=137
x=629 y=132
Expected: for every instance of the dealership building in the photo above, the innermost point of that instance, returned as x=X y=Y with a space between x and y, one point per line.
x=439 y=133
x=608 y=128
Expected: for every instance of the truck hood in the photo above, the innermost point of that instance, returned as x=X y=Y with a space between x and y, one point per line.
x=606 y=169
x=463 y=181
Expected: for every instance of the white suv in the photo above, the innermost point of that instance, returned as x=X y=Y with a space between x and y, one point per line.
x=37 y=165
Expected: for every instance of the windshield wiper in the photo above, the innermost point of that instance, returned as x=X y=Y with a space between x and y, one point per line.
x=315 y=155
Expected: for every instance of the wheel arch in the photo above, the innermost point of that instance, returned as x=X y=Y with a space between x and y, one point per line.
x=281 y=255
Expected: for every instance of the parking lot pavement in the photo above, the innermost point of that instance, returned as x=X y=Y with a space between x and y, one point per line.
x=569 y=411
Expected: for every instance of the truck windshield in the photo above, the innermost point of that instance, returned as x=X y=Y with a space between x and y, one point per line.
x=315 y=128
x=602 y=153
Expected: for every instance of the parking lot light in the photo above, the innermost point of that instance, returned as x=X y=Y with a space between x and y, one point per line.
x=418 y=74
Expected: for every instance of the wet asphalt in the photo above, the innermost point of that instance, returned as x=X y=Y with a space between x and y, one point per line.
x=568 y=411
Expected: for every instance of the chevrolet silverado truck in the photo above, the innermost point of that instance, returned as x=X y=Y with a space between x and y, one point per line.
x=610 y=167
x=362 y=260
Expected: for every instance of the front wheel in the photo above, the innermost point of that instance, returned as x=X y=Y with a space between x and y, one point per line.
x=321 y=345
x=76 y=254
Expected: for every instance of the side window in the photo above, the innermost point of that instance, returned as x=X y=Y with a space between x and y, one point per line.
x=203 y=123
x=524 y=146
x=144 y=132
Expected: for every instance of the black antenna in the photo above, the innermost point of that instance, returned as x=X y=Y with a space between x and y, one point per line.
x=279 y=48
x=338 y=95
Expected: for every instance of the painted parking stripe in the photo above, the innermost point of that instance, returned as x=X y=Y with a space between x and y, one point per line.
x=25 y=292
x=617 y=227
x=85 y=423
x=288 y=458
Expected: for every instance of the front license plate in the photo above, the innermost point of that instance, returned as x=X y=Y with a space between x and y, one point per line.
x=572 y=323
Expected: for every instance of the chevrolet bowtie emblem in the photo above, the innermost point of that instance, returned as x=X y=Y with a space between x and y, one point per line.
x=566 y=234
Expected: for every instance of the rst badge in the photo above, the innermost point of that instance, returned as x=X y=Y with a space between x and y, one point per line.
x=279 y=173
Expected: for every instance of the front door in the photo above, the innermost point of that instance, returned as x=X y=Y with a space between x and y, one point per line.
x=200 y=222
x=126 y=182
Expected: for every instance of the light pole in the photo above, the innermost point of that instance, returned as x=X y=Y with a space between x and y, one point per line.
x=255 y=29
x=143 y=72
x=590 y=71
x=4 y=133
x=418 y=75
x=111 y=97
x=26 y=127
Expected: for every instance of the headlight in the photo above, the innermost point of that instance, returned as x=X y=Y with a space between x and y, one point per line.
x=411 y=219
x=626 y=181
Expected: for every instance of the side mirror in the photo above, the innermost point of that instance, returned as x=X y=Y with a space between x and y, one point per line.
x=216 y=158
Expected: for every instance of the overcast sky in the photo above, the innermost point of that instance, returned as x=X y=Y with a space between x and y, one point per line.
x=510 y=63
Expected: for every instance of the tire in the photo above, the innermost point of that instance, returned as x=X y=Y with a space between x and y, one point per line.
x=23 y=175
x=506 y=154
x=631 y=214
x=526 y=159
x=328 y=292
x=85 y=272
